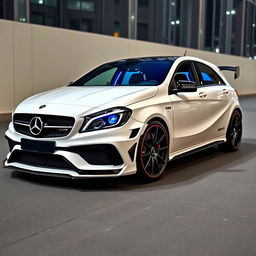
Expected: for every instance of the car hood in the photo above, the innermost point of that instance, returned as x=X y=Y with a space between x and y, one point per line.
x=83 y=99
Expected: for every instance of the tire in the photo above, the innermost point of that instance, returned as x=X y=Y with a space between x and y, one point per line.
x=153 y=152
x=234 y=133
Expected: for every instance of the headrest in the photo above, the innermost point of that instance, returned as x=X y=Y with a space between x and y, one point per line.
x=136 y=79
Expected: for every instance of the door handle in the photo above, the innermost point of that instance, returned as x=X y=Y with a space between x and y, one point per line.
x=202 y=94
x=225 y=91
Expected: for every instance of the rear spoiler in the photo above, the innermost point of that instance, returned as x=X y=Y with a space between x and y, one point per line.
x=234 y=69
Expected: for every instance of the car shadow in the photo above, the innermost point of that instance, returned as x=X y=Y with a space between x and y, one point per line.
x=179 y=172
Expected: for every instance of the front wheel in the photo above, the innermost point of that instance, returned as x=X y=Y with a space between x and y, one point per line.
x=153 y=152
x=234 y=133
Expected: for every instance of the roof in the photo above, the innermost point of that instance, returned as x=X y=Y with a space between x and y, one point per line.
x=153 y=58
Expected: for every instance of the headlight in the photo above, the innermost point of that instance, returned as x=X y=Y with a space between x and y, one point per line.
x=109 y=118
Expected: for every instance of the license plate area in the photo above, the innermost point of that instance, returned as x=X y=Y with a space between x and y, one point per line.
x=47 y=147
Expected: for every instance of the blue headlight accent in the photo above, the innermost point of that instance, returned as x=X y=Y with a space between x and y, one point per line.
x=105 y=119
x=113 y=119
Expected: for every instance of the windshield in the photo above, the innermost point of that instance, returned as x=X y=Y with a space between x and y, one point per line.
x=141 y=72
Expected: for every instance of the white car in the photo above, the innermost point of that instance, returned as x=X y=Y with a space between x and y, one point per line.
x=126 y=117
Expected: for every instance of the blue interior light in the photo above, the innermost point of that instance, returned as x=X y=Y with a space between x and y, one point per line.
x=113 y=119
x=206 y=77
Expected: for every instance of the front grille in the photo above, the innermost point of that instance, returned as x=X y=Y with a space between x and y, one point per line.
x=53 y=126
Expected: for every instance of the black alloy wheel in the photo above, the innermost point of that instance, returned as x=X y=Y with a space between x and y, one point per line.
x=234 y=133
x=153 y=152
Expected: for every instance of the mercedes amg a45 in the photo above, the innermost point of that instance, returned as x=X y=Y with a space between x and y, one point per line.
x=126 y=117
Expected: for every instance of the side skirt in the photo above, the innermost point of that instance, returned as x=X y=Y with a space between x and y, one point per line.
x=193 y=151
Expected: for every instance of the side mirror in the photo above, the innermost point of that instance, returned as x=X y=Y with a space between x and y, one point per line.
x=185 y=86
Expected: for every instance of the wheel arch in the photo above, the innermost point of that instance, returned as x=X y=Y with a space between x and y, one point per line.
x=235 y=108
x=239 y=110
x=232 y=110
x=229 y=145
x=139 y=163
x=160 y=120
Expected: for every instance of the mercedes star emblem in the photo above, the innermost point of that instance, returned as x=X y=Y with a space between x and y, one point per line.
x=36 y=126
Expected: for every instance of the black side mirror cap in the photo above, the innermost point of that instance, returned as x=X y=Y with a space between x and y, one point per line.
x=185 y=86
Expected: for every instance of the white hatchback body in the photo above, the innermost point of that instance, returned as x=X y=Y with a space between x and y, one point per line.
x=50 y=135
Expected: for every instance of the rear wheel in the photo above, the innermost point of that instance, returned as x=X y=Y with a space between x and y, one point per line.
x=153 y=152
x=234 y=133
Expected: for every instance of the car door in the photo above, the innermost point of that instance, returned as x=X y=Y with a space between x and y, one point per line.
x=189 y=110
x=216 y=102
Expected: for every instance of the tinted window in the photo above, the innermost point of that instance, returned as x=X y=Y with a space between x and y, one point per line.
x=208 y=76
x=183 y=72
x=142 y=72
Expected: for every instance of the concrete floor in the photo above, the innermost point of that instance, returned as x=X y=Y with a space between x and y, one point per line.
x=204 y=205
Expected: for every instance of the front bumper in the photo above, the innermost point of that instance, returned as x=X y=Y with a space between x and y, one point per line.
x=104 y=153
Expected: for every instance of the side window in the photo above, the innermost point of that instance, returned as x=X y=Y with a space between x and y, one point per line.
x=183 y=72
x=208 y=76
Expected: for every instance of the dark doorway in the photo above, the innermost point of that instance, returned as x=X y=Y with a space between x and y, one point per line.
x=1 y=9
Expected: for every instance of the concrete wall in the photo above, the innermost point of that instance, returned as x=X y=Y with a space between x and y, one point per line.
x=37 y=58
